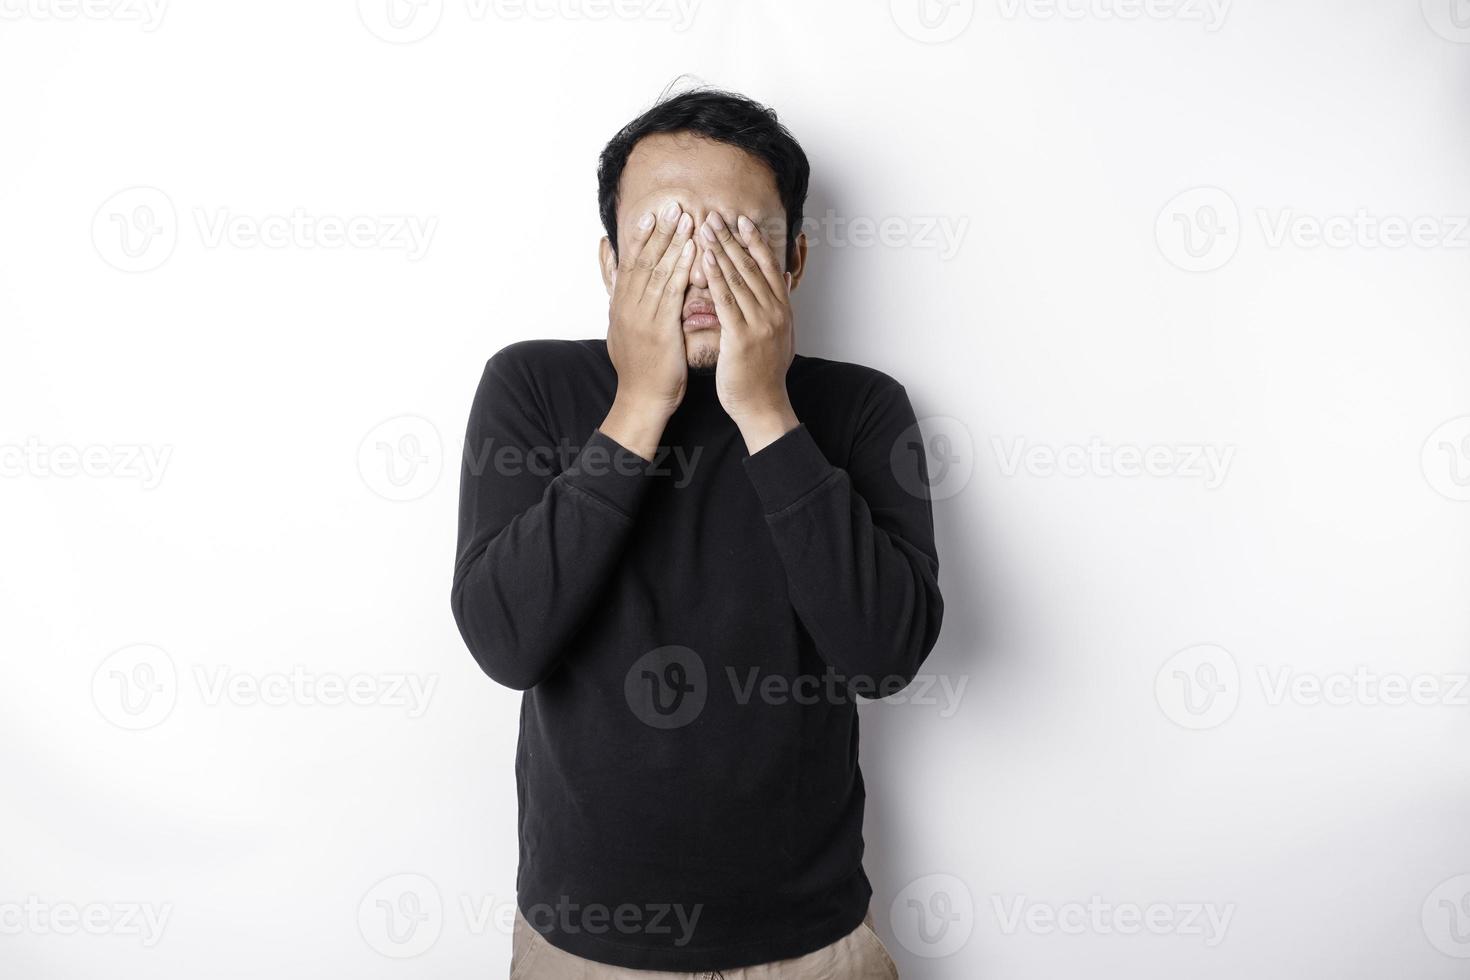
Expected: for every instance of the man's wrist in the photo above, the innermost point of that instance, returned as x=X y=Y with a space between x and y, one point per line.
x=636 y=426
x=760 y=429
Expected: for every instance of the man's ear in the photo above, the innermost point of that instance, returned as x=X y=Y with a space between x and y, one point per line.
x=609 y=263
x=798 y=260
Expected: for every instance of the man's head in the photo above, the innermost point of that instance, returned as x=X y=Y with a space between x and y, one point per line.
x=709 y=151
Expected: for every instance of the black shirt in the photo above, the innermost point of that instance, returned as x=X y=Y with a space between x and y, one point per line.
x=689 y=634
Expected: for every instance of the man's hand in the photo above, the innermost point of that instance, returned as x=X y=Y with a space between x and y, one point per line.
x=757 y=331
x=645 y=332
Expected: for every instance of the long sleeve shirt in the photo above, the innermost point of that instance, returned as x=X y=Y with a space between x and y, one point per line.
x=690 y=633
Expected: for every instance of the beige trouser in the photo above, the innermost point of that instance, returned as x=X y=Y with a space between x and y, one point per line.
x=857 y=956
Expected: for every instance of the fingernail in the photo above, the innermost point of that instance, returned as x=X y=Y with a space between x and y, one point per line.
x=688 y=247
x=672 y=211
x=646 y=221
x=708 y=233
x=745 y=225
x=709 y=258
x=685 y=223
x=716 y=220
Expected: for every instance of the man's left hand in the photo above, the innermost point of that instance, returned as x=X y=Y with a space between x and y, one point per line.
x=757 y=331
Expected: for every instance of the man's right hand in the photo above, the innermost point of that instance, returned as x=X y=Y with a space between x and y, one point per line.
x=645 y=332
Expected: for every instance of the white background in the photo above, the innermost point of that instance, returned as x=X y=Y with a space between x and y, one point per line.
x=1084 y=308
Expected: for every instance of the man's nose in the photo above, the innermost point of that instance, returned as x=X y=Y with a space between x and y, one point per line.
x=699 y=213
x=697 y=278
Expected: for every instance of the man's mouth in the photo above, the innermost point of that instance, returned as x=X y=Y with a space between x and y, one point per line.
x=700 y=316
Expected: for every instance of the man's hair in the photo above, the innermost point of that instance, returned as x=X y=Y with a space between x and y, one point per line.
x=724 y=117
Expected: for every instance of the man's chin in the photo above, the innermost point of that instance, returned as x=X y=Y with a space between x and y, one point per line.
x=702 y=356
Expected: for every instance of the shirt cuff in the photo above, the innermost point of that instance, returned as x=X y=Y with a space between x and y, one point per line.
x=788 y=469
x=615 y=475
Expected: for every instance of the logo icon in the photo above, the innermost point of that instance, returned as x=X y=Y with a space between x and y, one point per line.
x=400 y=21
x=401 y=459
x=932 y=21
x=666 y=688
x=1446 y=917
x=136 y=687
x=933 y=916
x=401 y=916
x=1198 y=687
x=934 y=457
x=135 y=230
x=1199 y=230
x=1450 y=19
x=1445 y=459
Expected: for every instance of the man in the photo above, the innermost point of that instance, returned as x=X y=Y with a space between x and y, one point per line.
x=692 y=548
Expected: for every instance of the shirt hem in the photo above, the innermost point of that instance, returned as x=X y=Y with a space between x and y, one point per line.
x=695 y=960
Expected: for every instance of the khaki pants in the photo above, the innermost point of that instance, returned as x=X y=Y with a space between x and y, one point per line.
x=857 y=956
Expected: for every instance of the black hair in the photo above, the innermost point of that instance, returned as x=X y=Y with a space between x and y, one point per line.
x=725 y=117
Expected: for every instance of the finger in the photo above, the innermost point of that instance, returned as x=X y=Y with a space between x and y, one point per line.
x=723 y=246
x=658 y=279
x=760 y=250
x=727 y=307
x=672 y=297
x=653 y=249
x=637 y=239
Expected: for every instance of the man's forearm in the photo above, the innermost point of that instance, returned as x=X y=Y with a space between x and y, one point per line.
x=535 y=550
x=857 y=542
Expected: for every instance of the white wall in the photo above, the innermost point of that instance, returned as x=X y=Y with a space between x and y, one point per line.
x=1330 y=537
